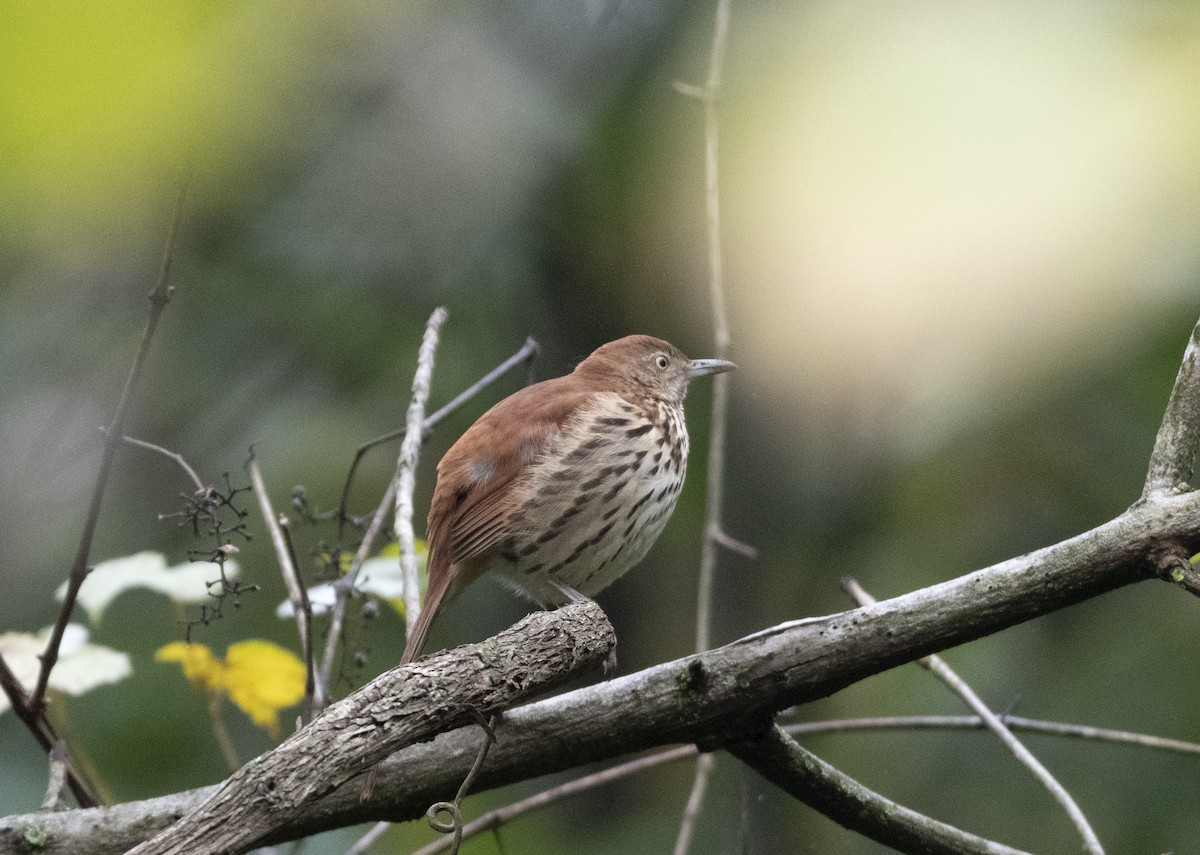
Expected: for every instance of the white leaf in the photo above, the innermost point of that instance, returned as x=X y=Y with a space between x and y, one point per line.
x=81 y=666
x=378 y=576
x=320 y=597
x=184 y=583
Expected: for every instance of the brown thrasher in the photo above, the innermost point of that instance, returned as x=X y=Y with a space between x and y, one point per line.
x=563 y=486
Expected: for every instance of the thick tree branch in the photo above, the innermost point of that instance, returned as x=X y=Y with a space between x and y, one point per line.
x=400 y=707
x=1174 y=451
x=995 y=723
x=706 y=698
x=783 y=762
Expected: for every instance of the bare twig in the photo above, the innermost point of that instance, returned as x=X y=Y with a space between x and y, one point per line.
x=524 y=354
x=406 y=468
x=728 y=541
x=1174 y=452
x=972 y=722
x=297 y=593
x=368 y=840
x=159 y=297
x=691 y=811
x=58 y=777
x=1025 y=757
x=220 y=732
x=783 y=762
x=43 y=731
x=715 y=475
x=178 y=458
x=455 y=827
x=345 y=585
x=496 y=818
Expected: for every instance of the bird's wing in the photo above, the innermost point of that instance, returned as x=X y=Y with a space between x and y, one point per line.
x=483 y=478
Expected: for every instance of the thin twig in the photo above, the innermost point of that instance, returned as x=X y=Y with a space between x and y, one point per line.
x=365 y=842
x=43 y=731
x=1025 y=757
x=178 y=458
x=221 y=732
x=297 y=593
x=973 y=722
x=406 y=468
x=345 y=585
x=496 y=818
x=525 y=353
x=728 y=541
x=691 y=811
x=783 y=762
x=501 y=816
x=58 y=778
x=715 y=475
x=454 y=808
x=456 y=828
x=405 y=481
x=1174 y=452
x=159 y=297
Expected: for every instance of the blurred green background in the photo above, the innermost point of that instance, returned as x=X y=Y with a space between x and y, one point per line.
x=961 y=261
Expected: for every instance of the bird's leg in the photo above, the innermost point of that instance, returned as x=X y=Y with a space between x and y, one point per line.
x=573 y=596
x=570 y=595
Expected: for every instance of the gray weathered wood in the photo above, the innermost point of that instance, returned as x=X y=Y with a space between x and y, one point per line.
x=704 y=698
x=400 y=707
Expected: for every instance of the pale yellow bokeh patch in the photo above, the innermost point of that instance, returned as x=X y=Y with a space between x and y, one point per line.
x=932 y=210
x=103 y=105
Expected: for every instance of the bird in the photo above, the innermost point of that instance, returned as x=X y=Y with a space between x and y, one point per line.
x=563 y=486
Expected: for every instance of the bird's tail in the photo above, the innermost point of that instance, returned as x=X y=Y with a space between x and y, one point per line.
x=438 y=583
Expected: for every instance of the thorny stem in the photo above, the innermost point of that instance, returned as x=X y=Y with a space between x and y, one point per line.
x=1174 y=452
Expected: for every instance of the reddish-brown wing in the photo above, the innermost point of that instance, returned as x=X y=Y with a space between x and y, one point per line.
x=481 y=478
x=481 y=483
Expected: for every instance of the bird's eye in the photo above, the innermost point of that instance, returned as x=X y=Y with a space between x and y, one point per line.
x=661 y=361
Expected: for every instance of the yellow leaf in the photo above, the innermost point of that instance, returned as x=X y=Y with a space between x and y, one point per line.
x=260 y=677
x=263 y=678
x=200 y=667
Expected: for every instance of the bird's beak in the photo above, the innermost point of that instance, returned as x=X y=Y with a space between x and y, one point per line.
x=702 y=367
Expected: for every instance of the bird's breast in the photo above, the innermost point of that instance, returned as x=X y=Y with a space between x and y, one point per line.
x=594 y=503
